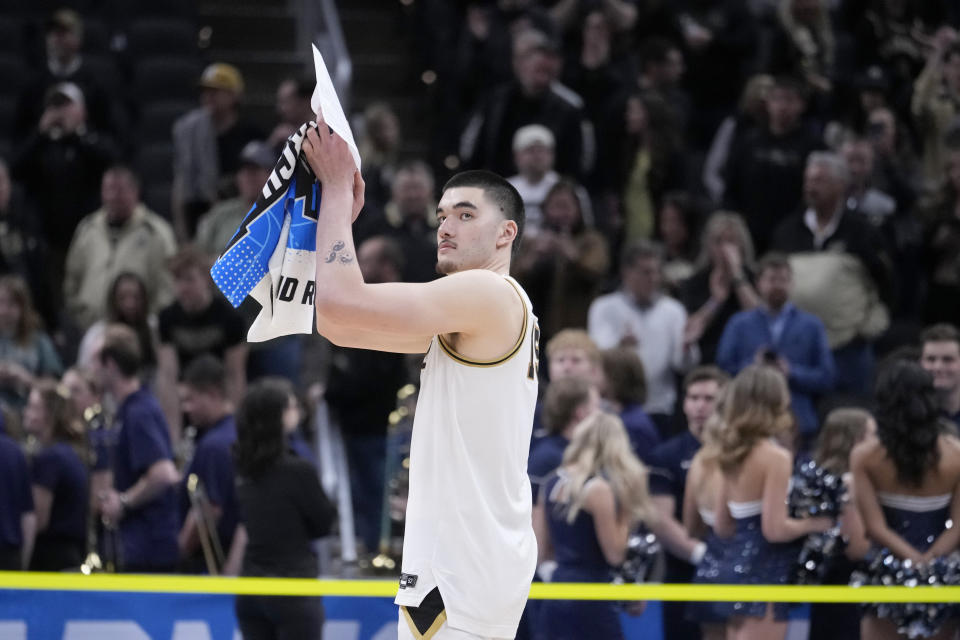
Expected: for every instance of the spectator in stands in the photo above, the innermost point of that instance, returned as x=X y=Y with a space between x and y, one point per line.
x=661 y=72
x=640 y=317
x=199 y=321
x=778 y=334
x=751 y=113
x=530 y=98
x=940 y=356
x=128 y=304
x=642 y=162
x=18 y=521
x=895 y=160
x=624 y=391
x=862 y=196
x=207 y=144
x=841 y=270
x=567 y=402
x=803 y=43
x=206 y=405
x=533 y=154
x=678 y=224
x=570 y=354
x=22 y=246
x=594 y=73
x=764 y=178
x=621 y=14
x=379 y=149
x=410 y=218
x=64 y=62
x=26 y=351
x=217 y=227
x=669 y=464
x=283 y=509
x=59 y=479
x=61 y=166
x=934 y=104
x=123 y=235
x=143 y=501
x=563 y=265
x=942 y=248
x=293 y=108
x=720 y=38
x=723 y=282
x=362 y=411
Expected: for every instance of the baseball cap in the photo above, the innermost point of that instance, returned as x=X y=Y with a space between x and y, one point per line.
x=66 y=19
x=62 y=90
x=532 y=134
x=258 y=153
x=221 y=75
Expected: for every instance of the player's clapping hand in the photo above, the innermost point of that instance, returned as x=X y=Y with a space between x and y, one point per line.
x=329 y=157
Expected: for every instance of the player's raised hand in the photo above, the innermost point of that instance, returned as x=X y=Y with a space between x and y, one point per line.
x=330 y=159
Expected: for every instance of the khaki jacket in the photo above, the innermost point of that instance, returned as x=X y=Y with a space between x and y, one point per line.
x=97 y=255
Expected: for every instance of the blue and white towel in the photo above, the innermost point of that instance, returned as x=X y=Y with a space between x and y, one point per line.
x=273 y=255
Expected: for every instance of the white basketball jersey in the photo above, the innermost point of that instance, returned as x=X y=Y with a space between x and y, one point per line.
x=468 y=526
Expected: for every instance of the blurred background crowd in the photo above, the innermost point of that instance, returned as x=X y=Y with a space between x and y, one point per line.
x=706 y=182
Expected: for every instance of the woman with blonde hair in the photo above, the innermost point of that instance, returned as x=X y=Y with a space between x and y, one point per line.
x=752 y=502
x=700 y=501
x=722 y=284
x=583 y=519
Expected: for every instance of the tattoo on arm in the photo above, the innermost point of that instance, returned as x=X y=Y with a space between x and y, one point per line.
x=337 y=253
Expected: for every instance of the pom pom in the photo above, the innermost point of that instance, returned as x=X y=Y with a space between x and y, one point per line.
x=913 y=619
x=643 y=555
x=817 y=492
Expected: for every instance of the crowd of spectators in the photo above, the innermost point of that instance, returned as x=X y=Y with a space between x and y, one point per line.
x=726 y=183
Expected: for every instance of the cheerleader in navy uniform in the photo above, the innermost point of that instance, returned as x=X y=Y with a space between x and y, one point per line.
x=752 y=502
x=704 y=480
x=583 y=517
x=906 y=483
x=842 y=430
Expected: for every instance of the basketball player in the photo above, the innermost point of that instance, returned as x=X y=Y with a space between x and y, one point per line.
x=469 y=551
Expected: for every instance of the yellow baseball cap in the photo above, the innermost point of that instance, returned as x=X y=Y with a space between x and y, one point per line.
x=221 y=75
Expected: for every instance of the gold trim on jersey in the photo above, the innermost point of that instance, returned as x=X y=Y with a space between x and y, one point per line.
x=450 y=351
x=429 y=633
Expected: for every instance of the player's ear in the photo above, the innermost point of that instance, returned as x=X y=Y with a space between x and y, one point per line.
x=508 y=233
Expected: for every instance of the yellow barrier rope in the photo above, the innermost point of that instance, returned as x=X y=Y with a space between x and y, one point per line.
x=539 y=591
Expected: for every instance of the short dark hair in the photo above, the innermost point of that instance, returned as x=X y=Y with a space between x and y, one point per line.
x=121 y=345
x=303 y=85
x=190 y=256
x=942 y=332
x=705 y=373
x=207 y=374
x=773 y=260
x=500 y=192
x=626 y=381
x=640 y=249
x=126 y=171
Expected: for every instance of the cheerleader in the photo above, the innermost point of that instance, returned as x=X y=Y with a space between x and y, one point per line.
x=699 y=515
x=752 y=502
x=583 y=517
x=906 y=482
x=842 y=430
